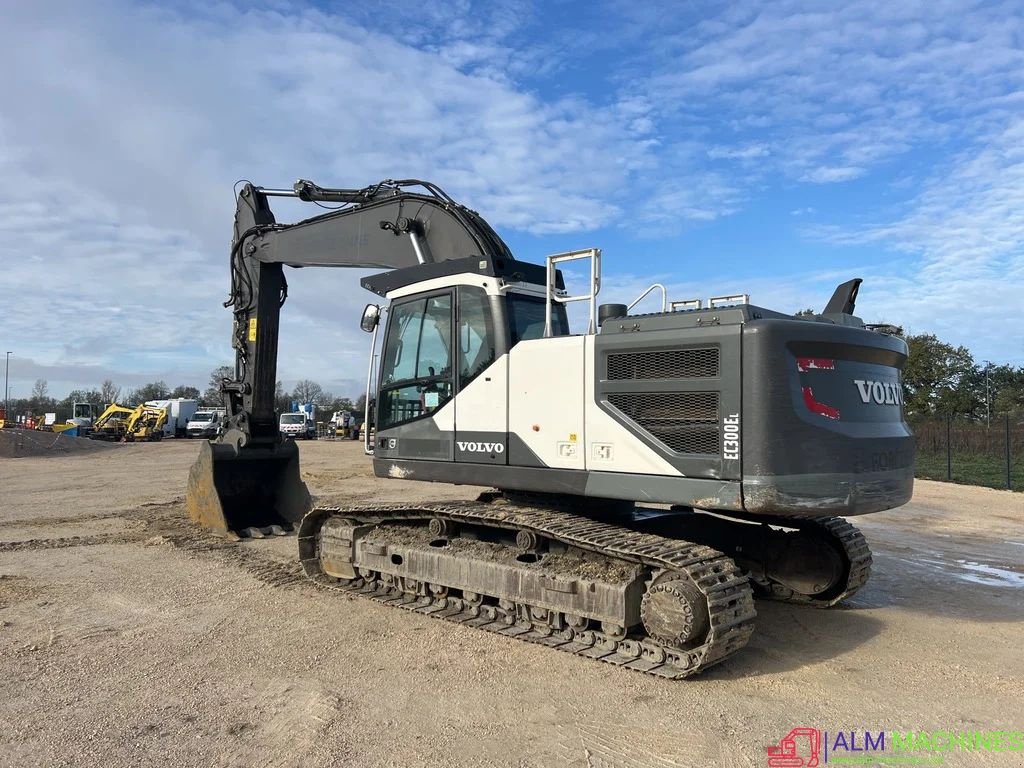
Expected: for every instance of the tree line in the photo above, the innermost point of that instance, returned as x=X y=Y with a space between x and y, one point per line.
x=942 y=380
x=40 y=401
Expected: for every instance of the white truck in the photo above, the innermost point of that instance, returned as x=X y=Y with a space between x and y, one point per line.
x=179 y=411
x=205 y=423
x=300 y=423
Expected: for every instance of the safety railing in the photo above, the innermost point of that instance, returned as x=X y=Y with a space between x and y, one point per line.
x=554 y=294
x=645 y=294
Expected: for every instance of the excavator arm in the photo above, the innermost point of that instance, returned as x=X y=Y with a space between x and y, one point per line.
x=249 y=478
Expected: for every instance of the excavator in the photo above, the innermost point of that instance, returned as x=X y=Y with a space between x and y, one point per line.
x=112 y=423
x=649 y=475
x=146 y=424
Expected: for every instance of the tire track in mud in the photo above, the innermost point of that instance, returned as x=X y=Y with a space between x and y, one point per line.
x=168 y=523
x=70 y=541
x=614 y=745
x=163 y=523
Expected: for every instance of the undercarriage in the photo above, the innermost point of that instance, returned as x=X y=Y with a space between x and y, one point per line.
x=663 y=591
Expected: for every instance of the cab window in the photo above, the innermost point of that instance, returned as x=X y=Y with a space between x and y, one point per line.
x=526 y=318
x=476 y=334
x=416 y=370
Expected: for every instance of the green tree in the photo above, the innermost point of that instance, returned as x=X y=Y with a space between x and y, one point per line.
x=940 y=378
x=1005 y=389
x=189 y=393
x=212 y=395
x=155 y=390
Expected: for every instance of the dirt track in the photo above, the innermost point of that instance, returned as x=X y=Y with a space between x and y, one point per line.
x=128 y=639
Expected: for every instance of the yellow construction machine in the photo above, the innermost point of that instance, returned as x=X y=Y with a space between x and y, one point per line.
x=146 y=423
x=112 y=423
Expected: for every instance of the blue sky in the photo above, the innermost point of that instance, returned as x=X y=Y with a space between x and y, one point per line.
x=773 y=148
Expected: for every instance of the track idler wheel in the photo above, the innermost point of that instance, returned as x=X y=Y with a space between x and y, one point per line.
x=674 y=612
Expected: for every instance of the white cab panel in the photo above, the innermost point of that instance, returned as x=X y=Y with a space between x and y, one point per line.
x=545 y=393
x=482 y=405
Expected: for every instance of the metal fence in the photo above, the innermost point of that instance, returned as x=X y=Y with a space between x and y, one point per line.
x=962 y=451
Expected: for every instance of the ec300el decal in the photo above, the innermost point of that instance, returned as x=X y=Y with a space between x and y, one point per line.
x=731 y=437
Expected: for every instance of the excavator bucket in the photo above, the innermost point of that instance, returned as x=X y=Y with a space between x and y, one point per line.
x=254 y=491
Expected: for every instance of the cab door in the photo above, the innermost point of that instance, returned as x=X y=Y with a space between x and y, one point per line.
x=481 y=418
x=415 y=403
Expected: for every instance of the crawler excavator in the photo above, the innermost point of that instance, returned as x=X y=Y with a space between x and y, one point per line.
x=650 y=475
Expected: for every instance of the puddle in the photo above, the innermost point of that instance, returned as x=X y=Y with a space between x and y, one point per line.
x=979 y=573
x=967 y=570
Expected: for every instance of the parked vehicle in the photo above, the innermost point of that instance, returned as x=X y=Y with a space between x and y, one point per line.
x=205 y=423
x=300 y=422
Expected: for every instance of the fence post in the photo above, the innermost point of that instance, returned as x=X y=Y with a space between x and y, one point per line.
x=1009 y=486
x=949 y=448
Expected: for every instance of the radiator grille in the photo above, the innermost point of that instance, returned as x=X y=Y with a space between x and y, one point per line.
x=686 y=422
x=664 y=364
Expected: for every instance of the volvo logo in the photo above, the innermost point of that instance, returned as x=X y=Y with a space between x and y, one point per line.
x=880 y=392
x=481 y=447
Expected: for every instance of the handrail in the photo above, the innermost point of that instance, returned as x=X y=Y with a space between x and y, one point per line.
x=594 y=254
x=736 y=298
x=645 y=294
x=367 y=448
x=675 y=306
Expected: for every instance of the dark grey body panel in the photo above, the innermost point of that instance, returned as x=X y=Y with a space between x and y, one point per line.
x=860 y=462
x=726 y=384
x=481 y=447
x=850 y=493
x=419 y=439
x=508 y=269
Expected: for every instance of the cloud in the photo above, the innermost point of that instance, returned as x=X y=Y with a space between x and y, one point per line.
x=127 y=126
x=962 y=237
x=837 y=88
x=749 y=152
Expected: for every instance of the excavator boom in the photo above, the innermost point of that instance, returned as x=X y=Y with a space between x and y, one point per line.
x=390 y=225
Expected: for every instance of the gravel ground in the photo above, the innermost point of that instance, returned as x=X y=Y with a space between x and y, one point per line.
x=129 y=639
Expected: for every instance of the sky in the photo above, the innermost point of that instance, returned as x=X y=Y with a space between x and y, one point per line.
x=774 y=148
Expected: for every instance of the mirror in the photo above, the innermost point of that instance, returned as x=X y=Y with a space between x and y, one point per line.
x=371 y=316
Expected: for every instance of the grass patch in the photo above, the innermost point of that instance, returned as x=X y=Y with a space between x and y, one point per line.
x=971 y=469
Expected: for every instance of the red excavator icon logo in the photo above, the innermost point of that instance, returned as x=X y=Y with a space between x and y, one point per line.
x=787 y=754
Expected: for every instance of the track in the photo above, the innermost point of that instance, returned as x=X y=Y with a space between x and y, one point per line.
x=849 y=541
x=725 y=591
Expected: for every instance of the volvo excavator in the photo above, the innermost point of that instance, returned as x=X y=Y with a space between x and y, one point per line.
x=650 y=475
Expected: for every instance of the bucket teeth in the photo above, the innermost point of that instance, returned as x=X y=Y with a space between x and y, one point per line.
x=253 y=533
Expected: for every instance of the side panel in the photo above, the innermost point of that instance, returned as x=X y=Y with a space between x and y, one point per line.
x=824 y=432
x=610 y=446
x=677 y=390
x=546 y=408
x=481 y=429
